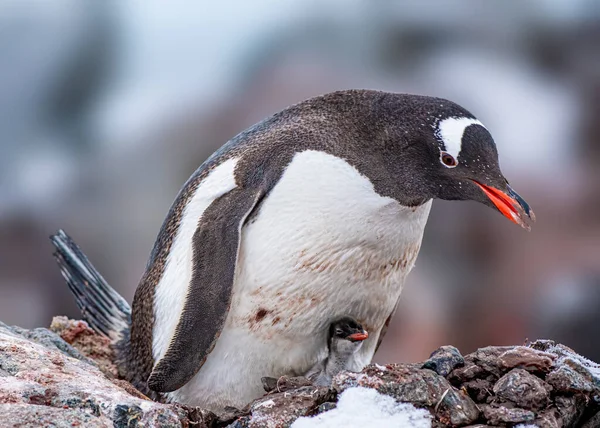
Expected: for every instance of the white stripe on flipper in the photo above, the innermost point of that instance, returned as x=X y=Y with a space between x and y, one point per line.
x=451 y=131
x=172 y=289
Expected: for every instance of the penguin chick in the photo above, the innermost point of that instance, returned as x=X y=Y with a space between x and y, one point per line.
x=345 y=338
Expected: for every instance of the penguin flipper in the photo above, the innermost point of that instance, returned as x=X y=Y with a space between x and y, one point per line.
x=216 y=244
x=102 y=307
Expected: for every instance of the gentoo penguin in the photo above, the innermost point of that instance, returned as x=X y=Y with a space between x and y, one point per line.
x=315 y=213
x=346 y=337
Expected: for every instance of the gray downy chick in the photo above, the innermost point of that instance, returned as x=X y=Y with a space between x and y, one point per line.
x=346 y=337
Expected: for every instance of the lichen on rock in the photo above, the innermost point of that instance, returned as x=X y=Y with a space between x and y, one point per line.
x=94 y=346
x=48 y=380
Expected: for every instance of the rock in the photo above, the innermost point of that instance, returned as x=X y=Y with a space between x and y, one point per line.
x=488 y=359
x=502 y=415
x=528 y=359
x=523 y=389
x=466 y=373
x=29 y=415
x=283 y=408
x=201 y=418
x=94 y=346
x=567 y=357
x=571 y=408
x=46 y=338
x=566 y=379
x=479 y=426
x=456 y=409
x=421 y=387
x=269 y=383
x=444 y=360
x=549 y=419
x=325 y=407
x=46 y=383
x=593 y=422
x=479 y=390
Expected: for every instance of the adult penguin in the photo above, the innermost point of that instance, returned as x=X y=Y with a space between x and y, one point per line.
x=313 y=214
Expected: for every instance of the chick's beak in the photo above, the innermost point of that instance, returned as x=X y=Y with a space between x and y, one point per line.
x=357 y=337
x=510 y=204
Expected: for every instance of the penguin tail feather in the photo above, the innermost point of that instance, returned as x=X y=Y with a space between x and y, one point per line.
x=105 y=310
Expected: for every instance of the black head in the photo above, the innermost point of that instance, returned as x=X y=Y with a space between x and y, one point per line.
x=434 y=148
x=347 y=329
x=469 y=169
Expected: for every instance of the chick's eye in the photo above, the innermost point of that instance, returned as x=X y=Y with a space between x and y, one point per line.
x=448 y=160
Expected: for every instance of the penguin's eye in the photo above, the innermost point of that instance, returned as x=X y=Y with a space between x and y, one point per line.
x=448 y=160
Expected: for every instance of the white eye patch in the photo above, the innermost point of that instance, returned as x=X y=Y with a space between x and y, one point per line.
x=451 y=132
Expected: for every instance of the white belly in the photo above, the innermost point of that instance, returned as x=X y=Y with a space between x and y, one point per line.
x=323 y=245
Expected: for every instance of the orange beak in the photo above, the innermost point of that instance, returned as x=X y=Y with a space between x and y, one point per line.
x=510 y=204
x=358 y=337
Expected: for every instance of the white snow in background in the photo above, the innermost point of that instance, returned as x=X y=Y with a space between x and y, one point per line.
x=364 y=407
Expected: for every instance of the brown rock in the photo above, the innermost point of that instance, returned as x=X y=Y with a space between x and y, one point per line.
x=479 y=389
x=488 y=359
x=549 y=419
x=526 y=358
x=496 y=415
x=523 y=389
x=466 y=373
x=283 y=408
x=593 y=422
x=480 y=426
x=566 y=379
x=456 y=409
x=567 y=357
x=200 y=418
x=550 y=346
x=78 y=334
x=571 y=408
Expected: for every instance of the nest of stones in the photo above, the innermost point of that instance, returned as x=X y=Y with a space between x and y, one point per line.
x=66 y=376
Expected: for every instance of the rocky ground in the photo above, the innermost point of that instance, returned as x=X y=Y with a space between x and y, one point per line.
x=64 y=377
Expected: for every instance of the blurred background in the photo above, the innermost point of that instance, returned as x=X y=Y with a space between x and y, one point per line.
x=106 y=108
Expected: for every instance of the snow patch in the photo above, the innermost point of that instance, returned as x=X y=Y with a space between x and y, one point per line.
x=364 y=407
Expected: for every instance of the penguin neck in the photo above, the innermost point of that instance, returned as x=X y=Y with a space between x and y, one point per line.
x=385 y=137
x=402 y=176
x=340 y=352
